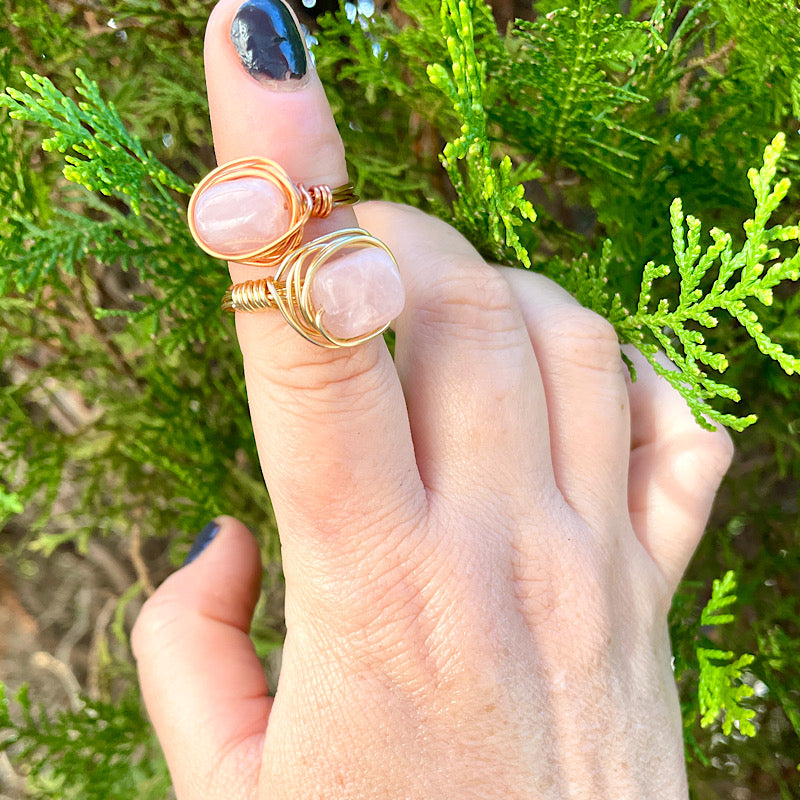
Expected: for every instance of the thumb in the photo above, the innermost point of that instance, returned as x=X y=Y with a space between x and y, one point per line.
x=202 y=682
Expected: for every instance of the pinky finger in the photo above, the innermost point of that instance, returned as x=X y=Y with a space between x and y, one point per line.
x=676 y=468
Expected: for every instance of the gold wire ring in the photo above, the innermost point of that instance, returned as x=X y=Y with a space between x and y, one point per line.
x=302 y=203
x=289 y=289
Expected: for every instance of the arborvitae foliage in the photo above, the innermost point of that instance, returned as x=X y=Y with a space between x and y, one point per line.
x=490 y=202
x=738 y=279
x=93 y=751
x=154 y=381
x=642 y=154
x=570 y=65
x=719 y=674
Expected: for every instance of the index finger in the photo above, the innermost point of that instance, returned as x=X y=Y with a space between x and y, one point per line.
x=330 y=424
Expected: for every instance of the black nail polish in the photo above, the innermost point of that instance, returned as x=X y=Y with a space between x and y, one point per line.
x=203 y=540
x=268 y=41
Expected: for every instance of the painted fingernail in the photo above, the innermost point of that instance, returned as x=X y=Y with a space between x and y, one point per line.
x=358 y=292
x=269 y=43
x=203 y=540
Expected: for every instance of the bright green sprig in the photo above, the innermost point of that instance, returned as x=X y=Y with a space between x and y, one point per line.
x=751 y=273
x=721 y=687
x=490 y=204
x=100 y=152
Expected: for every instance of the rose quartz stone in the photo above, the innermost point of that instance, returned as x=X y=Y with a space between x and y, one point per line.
x=240 y=216
x=359 y=291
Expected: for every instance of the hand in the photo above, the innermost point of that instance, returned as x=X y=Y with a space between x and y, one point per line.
x=480 y=539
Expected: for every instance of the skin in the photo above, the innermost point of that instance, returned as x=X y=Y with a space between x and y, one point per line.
x=480 y=539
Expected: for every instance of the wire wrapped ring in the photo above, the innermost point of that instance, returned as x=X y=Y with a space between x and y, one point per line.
x=289 y=290
x=302 y=203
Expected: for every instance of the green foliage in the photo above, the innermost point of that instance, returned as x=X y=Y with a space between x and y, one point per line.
x=774 y=70
x=566 y=140
x=154 y=398
x=572 y=65
x=106 y=158
x=677 y=327
x=9 y=504
x=490 y=203
x=375 y=78
x=101 y=155
x=716 y=684
x=721 y=685
x=96 y=751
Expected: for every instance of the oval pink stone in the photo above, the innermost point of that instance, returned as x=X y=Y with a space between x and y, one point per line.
x=240 y=216
x=359 y=292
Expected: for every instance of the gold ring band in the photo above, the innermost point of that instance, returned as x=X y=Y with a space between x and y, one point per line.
x=289 y=289
x=301 y=202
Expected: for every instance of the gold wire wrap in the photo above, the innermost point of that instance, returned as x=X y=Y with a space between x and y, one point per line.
x=289 y=289
x=302 y=203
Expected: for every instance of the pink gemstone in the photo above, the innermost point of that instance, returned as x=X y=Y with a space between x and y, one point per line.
x=359 y=291
x=242 y=215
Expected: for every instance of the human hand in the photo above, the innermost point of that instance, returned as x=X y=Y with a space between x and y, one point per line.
x=480 y=538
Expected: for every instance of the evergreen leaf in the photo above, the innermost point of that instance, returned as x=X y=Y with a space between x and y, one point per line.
x=490 y=204
x=572 y=66
x=99 y=152
x=721 y=687
x=94 y=751
x=677 y=328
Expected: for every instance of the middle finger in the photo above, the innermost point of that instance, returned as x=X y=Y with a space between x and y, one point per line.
x=475 y=398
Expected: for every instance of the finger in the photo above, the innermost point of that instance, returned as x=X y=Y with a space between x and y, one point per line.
x=586 y=395
x=329 y=424
x=474 y=393
x=202 y=681
x=675 y=470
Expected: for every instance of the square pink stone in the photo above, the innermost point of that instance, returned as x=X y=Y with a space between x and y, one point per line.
x=359 y=291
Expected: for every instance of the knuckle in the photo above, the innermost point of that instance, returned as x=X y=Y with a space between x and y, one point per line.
x=346 y=379
x=472 y=296
x=707 y=453
x=562 y=572
x=570 y=598
x=585 y=339
x=721 y=450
